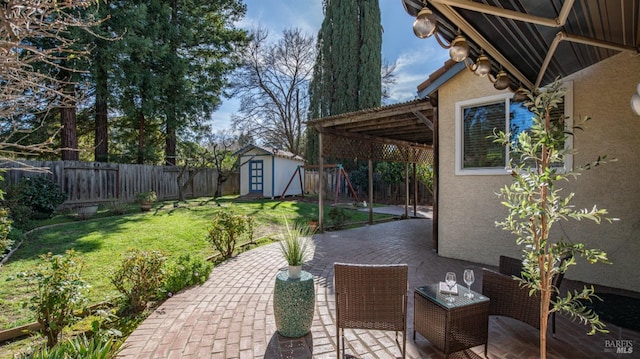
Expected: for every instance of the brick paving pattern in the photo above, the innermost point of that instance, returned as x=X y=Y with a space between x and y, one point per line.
x=231 y=315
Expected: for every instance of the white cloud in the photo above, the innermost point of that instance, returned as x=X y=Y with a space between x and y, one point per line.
x=279 y=15
x=413 y=67
x=221 y=119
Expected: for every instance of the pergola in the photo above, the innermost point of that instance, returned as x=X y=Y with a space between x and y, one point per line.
x=396 y=133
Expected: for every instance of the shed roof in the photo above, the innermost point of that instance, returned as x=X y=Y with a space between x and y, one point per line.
x=271 y=151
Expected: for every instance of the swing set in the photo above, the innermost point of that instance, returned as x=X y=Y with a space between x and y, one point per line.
x=341 y=173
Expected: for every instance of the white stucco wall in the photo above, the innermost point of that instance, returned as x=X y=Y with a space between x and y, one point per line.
x=468 y=206
x=277 y=173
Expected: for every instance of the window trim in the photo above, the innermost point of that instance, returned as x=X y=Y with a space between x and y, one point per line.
x=506 y=97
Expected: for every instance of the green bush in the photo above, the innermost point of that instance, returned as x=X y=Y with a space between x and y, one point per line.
x=139 y=278
x=21 y=214
x=32 y=198
x=59 y=292
x=337 y=216
x=225 y=230
x=5 y=229
x=16 y=235
x=184 y=273
x=80 y=347
x=41 y=193
x=118 y=207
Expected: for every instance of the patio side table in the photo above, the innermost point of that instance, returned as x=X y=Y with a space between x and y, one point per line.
x=294 y=304
x=451 y=327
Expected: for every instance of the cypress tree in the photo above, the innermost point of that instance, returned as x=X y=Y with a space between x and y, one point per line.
x=347 y=70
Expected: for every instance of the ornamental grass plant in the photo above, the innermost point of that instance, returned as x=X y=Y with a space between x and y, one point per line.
x=295 y=244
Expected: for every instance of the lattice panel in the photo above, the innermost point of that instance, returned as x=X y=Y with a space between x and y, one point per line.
x=348 y=147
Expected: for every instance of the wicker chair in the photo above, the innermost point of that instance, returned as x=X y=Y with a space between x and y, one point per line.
x=509 y=299
x=371 y=297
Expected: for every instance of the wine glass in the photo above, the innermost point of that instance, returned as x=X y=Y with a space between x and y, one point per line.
x=469 y=278
x=450 y=281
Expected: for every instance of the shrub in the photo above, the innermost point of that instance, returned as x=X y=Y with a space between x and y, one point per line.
x=21 y=215
x=31 y=198
x=58 y=293
x=118 y=207
x=139 y=277
x=80 y=347
x=337 y=216
x=16 y=235
x=186 y=272
x=5 y=229
x=41 y=194
x=225 y=230
x=148 y=196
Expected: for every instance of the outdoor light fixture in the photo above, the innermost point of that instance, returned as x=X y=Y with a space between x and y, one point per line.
x=425 y=24
x=482 y=67
x=459 y=49
x=501 y=81
x=519 y=95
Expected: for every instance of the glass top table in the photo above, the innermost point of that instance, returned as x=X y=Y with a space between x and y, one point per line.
x=432 y=292
x=451 y=327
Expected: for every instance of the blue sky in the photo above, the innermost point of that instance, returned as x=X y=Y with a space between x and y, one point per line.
x=415 y=58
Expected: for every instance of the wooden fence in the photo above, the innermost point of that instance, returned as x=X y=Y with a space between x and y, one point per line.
x=384 y=193
x=95 y=182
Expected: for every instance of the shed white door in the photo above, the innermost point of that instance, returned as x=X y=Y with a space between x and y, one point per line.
x=256 y=176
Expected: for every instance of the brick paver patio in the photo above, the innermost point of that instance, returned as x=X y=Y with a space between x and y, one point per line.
x=231 y=315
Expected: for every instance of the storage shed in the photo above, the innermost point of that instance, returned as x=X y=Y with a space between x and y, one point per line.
x=267 y=171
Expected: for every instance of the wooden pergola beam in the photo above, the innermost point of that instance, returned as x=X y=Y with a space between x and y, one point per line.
x=371 y=114
x=364 y=137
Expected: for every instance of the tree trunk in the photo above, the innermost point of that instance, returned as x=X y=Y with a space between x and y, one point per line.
x=68 y=134
x=101 y=151
x=141 y=127
x=170 y=136
x=170 y=145
x=183 y=170
x=220 y=180
x=545 y=297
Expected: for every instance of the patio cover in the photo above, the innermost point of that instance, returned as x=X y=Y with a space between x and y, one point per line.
x=395 y=133
x=536 y=41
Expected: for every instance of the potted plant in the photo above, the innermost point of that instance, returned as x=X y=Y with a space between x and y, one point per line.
x=86 y=211
x=146 y=198
x=294 y=293
x=295 y=247
x=535 y=203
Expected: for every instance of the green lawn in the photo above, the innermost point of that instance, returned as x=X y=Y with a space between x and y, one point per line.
x=102 y=241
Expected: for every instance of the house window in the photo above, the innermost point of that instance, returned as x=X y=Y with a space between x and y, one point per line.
x=478 y=119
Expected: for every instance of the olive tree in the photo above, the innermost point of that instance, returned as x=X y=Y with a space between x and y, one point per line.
x=535 y=204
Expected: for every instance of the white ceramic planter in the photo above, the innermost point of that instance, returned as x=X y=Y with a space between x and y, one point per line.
x=294 y=272
x=86 y=211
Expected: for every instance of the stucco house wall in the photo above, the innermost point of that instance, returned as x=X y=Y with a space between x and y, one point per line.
x=277 y=171
x=469 y=207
